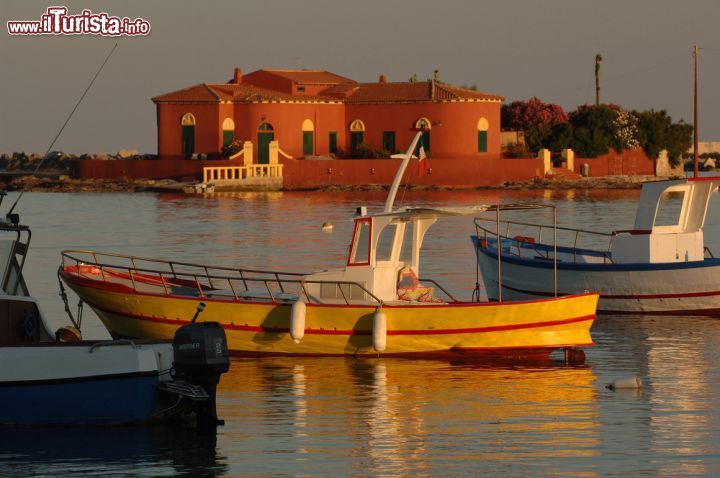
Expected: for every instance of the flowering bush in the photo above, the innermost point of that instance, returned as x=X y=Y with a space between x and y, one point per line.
x=534 y=117
x=626 y=131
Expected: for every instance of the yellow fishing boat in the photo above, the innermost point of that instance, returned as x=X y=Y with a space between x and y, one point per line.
x=376 y=304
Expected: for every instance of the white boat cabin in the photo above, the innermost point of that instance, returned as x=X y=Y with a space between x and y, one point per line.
x=668 y=224
x=384 y=257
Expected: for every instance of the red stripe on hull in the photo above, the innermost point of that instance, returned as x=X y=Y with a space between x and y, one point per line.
x=623 y=297
x=496 y=355
x=283 y=330
x=675 y=312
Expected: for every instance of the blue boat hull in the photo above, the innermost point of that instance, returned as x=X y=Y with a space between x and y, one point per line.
x=105 y=400
x=677 y=288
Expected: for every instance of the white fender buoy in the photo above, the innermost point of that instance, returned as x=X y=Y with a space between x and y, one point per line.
x=297 y=321
x=379 y=331
x=327 y=226
x=627 y=382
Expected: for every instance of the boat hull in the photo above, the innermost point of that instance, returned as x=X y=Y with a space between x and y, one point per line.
x=654 y=289
x=106 y=400
x=81 y=383
x=263 y=327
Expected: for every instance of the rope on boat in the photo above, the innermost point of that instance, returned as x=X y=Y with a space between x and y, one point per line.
x=476 y=292
x=63 y=295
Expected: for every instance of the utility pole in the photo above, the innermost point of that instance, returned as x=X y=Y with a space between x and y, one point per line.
x=598 y=60
x=695 y=114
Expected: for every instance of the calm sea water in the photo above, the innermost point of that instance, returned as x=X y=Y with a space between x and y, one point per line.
x=381 y=417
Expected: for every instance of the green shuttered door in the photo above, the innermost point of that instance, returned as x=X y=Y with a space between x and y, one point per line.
x=482 y=141
x=307 y=143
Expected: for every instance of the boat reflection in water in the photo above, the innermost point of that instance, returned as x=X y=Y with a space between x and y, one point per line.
x=145 y=451
x=402 y=416
x=680 y=376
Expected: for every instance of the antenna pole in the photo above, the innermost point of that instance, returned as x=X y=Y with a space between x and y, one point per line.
x=695 y=114
x=399 y=174
x=65 y=123
x=598 y=60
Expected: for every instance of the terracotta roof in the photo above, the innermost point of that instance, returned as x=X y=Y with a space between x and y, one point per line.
x=421 y=91
x=194 y=93
x=445 y=91
x=310 y=77
x=352 y=93
x=249 y=93
x=217 y=92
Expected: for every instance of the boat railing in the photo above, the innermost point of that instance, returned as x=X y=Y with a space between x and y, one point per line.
x=541 y=249
x=425 y=280
x=497 y=209
x=182 y=278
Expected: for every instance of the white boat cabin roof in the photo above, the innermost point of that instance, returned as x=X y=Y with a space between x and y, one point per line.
x=668 y=223
x=695 y=192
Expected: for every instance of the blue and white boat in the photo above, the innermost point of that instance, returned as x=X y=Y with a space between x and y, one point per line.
x=660 y=266
x=59 y=379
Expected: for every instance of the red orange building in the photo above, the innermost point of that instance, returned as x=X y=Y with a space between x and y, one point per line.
x=317 y=113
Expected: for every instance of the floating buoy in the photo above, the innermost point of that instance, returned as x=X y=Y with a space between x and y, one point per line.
x=628 y=382
x=379 y=331
x=297 y=321
x=327 y=226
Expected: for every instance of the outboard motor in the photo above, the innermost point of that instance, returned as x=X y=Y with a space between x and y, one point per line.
x=200 y=357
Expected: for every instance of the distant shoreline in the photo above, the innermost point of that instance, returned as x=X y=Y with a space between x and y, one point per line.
x=63 y=183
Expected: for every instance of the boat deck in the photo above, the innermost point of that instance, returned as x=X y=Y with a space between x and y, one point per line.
x=276 y=291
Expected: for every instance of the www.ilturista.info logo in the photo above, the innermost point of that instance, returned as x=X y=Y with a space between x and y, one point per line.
x=56 y=21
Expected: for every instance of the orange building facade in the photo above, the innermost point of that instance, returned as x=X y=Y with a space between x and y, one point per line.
x=318 y=113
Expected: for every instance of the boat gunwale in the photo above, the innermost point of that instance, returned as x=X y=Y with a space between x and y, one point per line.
x=628 y=266
x=123 y=289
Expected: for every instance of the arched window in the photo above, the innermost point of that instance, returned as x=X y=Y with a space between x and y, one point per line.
x=307 y=135
x=187 y=122
x=228 y=128
x=265 y=135
x=357 y=134
x=424 y=124
x=482 y=128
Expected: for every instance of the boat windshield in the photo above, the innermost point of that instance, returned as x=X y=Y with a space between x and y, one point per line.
x=360 y=250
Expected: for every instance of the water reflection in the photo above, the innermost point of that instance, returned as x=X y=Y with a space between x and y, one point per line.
x=680 y=369
x=408 y=416
x=143 y=451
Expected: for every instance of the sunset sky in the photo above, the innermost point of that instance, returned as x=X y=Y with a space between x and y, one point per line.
x=517 y=49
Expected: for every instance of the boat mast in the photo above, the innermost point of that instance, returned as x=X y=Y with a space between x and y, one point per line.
x=695 y=113
x=399 y=174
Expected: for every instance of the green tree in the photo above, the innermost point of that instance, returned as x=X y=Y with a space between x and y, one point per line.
x=653 y=127
x=593 y=130
x=560 y=137
x=656 y=132
x=679 y=141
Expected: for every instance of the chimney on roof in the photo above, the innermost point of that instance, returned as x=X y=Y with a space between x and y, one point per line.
x=383 y=79
x=237 y=77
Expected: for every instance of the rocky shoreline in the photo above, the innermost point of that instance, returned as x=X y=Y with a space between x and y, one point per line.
x=59 y=161
x=58 y=182
x=17 y=171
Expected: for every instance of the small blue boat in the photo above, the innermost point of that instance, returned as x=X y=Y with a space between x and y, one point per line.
x=59 y=379
x=661 y=266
